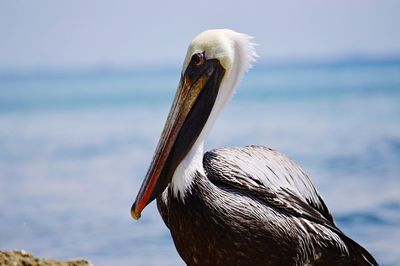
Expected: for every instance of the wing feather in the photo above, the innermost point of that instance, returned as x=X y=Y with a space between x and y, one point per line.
x=265 y=169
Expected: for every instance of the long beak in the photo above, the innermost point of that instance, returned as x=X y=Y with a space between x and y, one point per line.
x=192 y=105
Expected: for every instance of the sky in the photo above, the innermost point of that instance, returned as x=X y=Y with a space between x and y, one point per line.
x=48 y=34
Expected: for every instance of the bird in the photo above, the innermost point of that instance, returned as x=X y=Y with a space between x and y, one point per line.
x=238 y=205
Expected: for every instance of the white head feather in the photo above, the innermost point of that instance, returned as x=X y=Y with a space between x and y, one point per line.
x=236 y=53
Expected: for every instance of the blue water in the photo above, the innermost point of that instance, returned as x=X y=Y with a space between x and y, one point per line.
x=74 y=147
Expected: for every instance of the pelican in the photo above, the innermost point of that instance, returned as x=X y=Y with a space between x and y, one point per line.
x=234 y=206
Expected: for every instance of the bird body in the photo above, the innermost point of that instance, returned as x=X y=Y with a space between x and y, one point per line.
x=246 y=211
x=234 y=206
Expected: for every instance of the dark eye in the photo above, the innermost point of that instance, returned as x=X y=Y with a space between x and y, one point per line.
x=198 y=59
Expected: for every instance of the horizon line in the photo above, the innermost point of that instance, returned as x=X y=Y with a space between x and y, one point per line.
x=341 y=61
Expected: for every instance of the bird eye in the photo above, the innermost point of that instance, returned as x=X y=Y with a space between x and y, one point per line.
x=198 y=59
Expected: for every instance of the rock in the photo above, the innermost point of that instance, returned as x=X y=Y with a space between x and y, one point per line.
x=23 y=258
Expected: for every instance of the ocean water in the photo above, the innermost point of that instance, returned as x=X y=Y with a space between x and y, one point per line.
x=74 y=147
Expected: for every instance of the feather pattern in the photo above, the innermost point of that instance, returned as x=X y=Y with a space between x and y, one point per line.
x=263 y=168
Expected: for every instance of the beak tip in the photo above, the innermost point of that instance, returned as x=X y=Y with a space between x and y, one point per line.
x=135 y=214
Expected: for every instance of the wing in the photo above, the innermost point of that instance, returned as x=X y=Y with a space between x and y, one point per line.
x=264 y=168
x=277 y=181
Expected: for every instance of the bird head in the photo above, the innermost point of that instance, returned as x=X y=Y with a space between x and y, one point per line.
x=215 y=63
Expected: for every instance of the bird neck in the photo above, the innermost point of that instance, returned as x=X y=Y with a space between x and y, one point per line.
x=184 y=174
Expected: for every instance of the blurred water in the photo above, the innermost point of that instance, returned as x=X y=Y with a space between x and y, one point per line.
x=75 y=146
